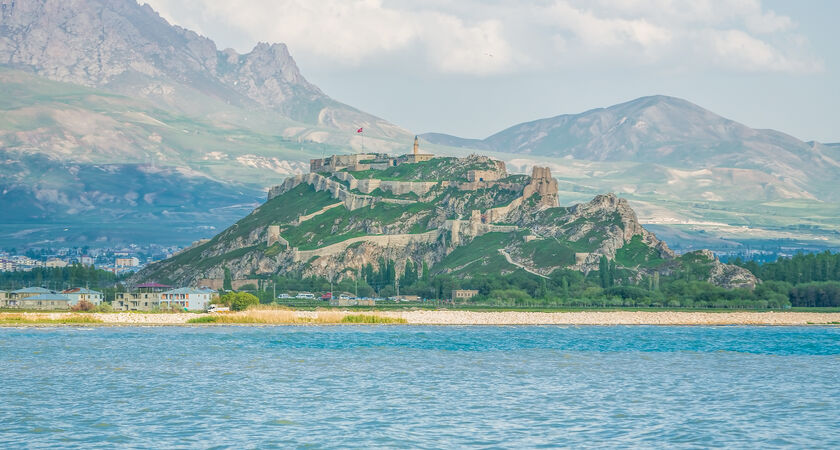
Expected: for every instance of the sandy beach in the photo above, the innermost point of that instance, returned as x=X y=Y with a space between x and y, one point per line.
x=443 y=317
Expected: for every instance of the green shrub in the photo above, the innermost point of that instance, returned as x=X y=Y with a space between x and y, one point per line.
x=239 y=301
x=367 y=318
x=204 y=319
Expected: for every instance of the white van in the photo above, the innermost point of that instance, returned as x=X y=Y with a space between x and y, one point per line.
x=305 y=296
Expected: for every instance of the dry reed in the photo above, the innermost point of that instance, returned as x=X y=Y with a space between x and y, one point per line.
x=46 y=319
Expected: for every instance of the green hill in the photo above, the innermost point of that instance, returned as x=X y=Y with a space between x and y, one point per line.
x=342 y=221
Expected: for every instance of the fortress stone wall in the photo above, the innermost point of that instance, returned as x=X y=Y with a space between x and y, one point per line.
x=385 y=241
x=337 y=190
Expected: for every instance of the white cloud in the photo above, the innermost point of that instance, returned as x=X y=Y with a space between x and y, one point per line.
x=352 y=31
x=475 y=37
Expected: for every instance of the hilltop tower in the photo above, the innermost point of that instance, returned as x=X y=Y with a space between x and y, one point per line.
x=416 y=146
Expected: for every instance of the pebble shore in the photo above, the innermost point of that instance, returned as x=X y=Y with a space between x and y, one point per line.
x=616 y=318
x=443 y=317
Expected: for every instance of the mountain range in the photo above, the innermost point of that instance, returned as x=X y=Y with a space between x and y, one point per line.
x=129 y=49
x=117 y=126
x=670 y=132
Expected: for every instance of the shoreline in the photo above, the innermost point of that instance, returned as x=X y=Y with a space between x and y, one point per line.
x=435 y=317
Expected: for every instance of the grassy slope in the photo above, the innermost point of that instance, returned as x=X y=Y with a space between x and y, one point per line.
x=637 y=254
x=480 y=256
x=549 y=253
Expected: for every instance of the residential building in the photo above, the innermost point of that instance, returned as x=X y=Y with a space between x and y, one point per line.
x=78 y=294
x=136 y=301
x=55 y=263
x=463 y=294
x=41 y=301
x=29 y=292
x=187 y=298
x=146 y=298
x=127 y=262
x=86 y=260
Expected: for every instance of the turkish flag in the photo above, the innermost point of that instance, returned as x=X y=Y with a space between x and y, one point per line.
x=359 y=130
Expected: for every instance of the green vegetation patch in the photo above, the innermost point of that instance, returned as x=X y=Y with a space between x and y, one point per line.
x=367 y=318
x=339 y=224
x=204 y=319
x=638 y=254
x=285 y=208
x=481 y=256
x=549 y=253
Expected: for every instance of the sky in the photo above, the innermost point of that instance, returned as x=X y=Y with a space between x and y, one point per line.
x=472 y=68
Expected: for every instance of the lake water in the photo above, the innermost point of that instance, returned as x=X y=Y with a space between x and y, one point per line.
x=416 y=386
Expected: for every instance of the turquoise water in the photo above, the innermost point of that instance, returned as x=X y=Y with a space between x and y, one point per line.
x=413 y=386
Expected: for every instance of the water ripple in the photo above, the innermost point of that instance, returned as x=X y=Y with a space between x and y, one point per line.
x=424 y=387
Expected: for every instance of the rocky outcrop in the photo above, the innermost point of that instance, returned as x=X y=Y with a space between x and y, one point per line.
x=726 y=275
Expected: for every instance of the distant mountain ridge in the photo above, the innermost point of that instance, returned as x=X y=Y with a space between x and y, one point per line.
x=671 y=132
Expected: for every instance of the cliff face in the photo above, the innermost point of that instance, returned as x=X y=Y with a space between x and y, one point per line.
x=322 y=225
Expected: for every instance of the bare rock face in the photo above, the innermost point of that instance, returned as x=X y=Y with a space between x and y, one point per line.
x=727 y=275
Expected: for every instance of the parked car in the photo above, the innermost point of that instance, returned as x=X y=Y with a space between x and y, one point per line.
x=284 y=296
x=305 y=296
x=327 y=296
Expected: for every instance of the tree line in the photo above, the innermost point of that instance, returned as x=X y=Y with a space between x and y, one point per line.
x=808 y=279
x=816 y=283
x=59 y=278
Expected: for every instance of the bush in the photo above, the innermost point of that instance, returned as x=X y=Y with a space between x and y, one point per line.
x=83 y=305
x=239 y=301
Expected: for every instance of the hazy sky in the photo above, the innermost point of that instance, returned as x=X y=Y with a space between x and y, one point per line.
x=472 y=68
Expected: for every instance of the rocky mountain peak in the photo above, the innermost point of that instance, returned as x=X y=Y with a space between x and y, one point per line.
x=130 y=49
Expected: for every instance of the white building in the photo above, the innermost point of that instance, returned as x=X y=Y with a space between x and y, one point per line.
x=78 y=294
x=187 y=298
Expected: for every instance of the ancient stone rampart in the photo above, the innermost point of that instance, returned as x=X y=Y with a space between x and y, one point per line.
x=337 y=190
x=387 y=241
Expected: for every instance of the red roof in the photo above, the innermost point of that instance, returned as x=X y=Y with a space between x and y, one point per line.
x=152 y=285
